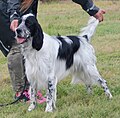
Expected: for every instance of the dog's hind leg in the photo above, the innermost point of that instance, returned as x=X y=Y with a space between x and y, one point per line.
x=51 y=94
x=32 y=92
x=103 y=83
x=94 y=76
x=81 y=78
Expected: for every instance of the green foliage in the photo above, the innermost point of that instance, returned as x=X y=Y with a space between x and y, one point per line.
x=73 y=101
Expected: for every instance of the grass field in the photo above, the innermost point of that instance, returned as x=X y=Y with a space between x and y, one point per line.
x=73 y=101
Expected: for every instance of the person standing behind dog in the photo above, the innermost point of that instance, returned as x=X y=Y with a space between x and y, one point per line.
x=10 y=13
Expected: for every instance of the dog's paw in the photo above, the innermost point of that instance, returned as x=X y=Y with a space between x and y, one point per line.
x=31 y=107
x=108 y=94
x=49 y=109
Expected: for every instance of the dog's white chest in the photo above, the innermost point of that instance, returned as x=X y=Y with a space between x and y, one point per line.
x=35 y=73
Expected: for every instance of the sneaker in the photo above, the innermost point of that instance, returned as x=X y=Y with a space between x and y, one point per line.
x=26 y=97
x=40 y=98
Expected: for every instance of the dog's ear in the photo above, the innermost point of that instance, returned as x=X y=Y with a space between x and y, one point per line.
x=37 y=37
x=36 y=33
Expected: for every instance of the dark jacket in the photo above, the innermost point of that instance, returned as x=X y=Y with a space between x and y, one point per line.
x=14 y=8
x=9 y=10
x=88 y=6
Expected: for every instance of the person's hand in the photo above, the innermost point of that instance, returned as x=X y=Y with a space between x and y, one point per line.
x=14 y=25
x=99 y=15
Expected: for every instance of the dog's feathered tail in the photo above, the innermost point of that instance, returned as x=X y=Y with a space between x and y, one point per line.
x=89 y=30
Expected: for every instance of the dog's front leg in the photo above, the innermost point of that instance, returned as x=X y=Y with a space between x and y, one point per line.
x=51 y=94
x=32 y=92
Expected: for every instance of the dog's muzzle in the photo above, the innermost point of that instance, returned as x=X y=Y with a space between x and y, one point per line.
x=20 y=37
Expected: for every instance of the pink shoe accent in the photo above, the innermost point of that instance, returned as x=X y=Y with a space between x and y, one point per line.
x=39 y=94
x=17 y=94
x=22 y=97
x=40 y=99
x=26 y=94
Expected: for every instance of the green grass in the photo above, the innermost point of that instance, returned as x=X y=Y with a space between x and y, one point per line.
x=73 y=101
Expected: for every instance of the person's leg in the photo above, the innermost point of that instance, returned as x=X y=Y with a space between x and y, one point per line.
x=16 y=68
x=17 y=72
x=15 y=58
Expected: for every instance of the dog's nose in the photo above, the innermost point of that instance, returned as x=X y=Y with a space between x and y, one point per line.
x=18 y=31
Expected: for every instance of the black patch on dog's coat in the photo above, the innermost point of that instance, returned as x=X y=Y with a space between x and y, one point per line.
x=67 y=51
x=76 y=43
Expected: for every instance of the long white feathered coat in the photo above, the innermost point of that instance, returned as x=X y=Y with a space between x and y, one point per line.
x=48 y=59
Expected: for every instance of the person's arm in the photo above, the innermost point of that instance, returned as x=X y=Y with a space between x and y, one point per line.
x=13 y=9
x=88 y=6
x=91 y=9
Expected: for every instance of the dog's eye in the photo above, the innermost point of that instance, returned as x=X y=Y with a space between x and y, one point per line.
x=28 y=23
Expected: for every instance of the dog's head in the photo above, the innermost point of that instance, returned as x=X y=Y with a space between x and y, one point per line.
x=29 y=29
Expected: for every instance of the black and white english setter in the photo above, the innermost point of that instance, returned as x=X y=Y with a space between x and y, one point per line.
x=49 y=59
